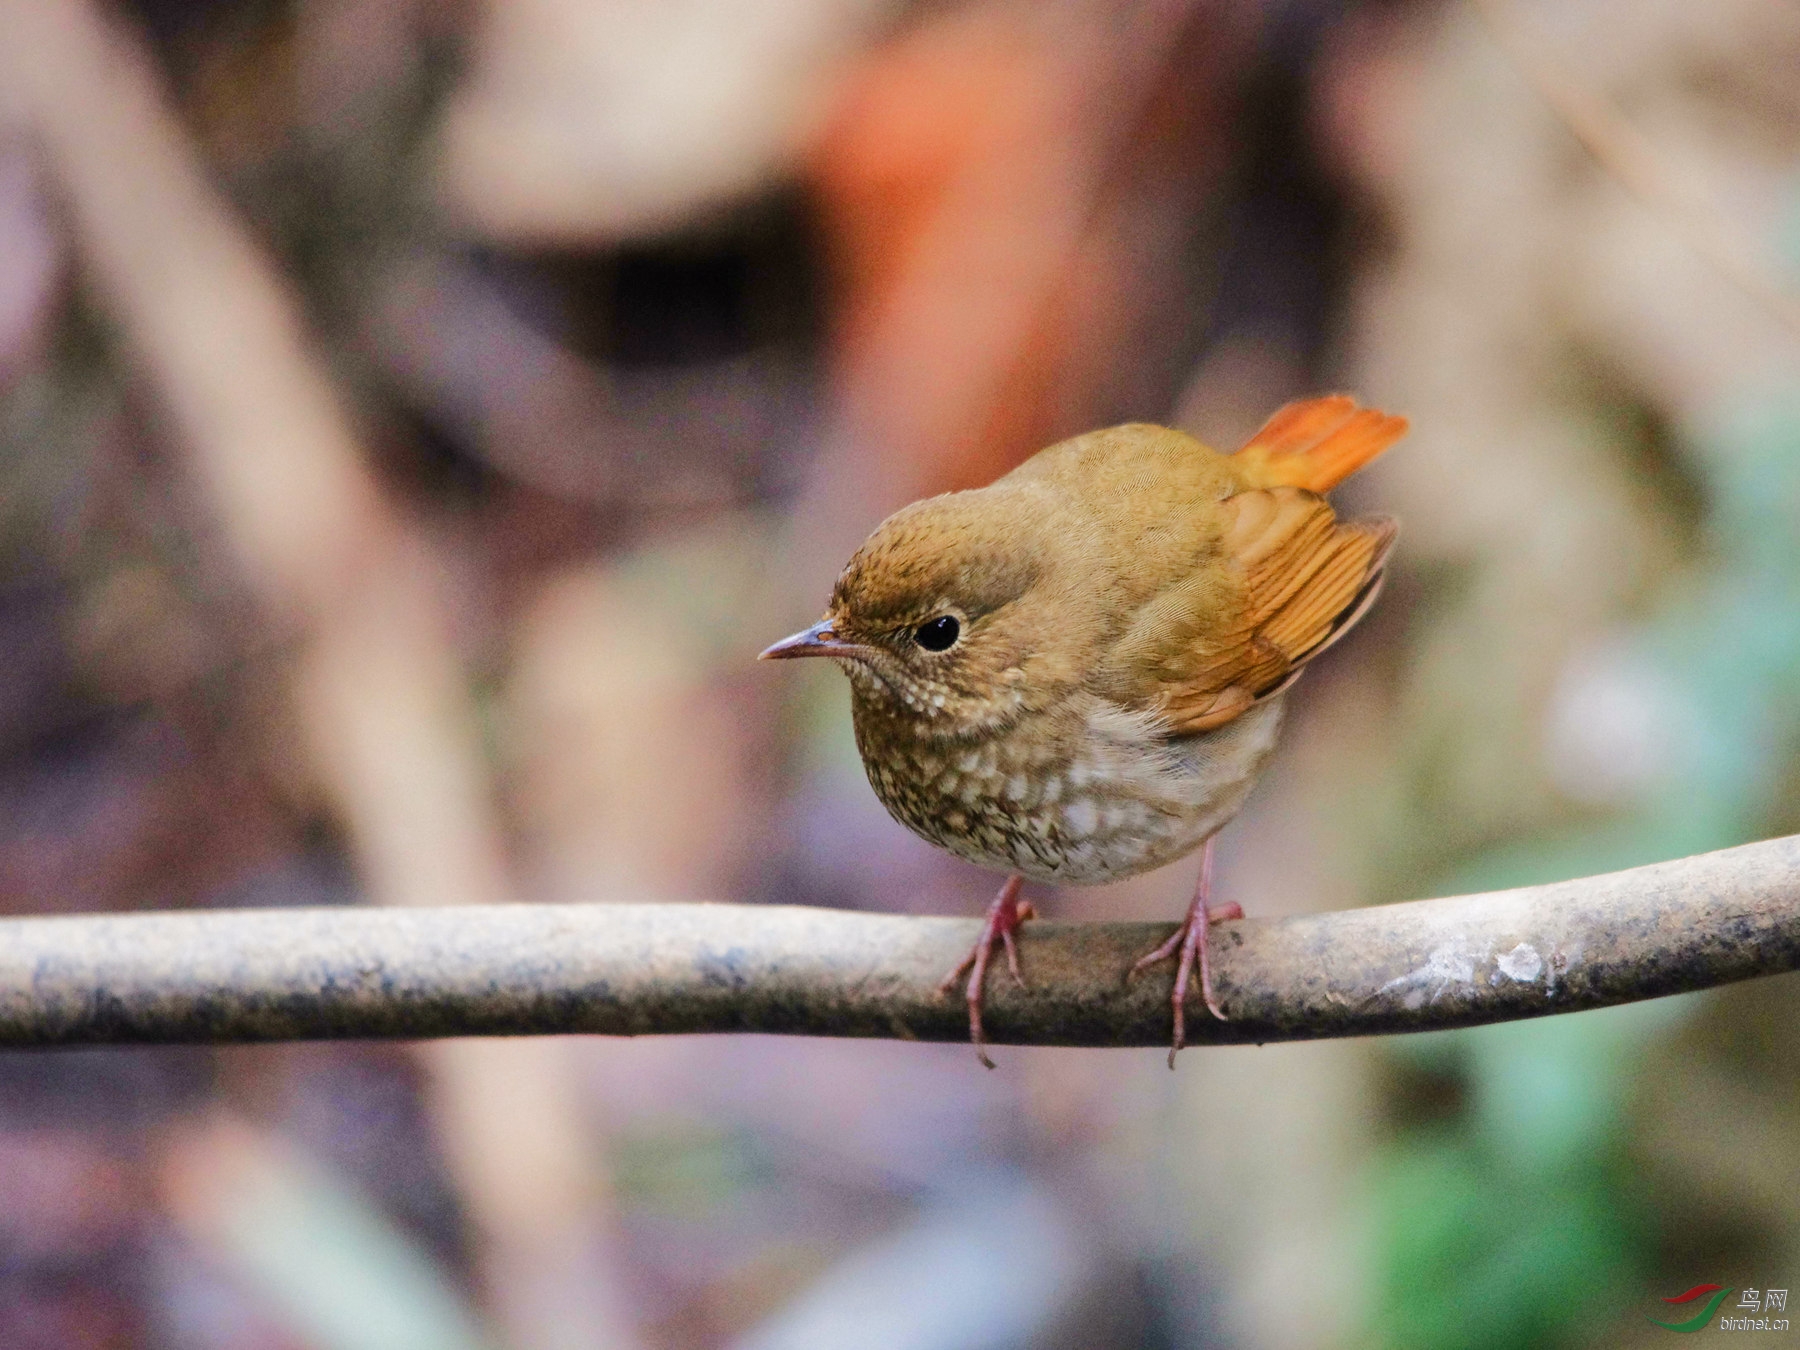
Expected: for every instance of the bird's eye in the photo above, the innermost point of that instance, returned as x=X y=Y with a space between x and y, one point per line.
x=939 y=634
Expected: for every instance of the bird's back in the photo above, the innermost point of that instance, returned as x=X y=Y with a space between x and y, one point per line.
x=1223 y=574
x=1143 y=498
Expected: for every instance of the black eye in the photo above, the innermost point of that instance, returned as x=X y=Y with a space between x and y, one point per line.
x=939 y=634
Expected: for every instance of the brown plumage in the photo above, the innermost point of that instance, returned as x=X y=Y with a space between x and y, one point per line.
x=1075 y=673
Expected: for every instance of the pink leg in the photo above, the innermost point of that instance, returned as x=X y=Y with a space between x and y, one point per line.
x=1003 y=919
x=1190 y=944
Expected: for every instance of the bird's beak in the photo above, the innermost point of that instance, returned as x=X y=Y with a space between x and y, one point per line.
x=819 y=640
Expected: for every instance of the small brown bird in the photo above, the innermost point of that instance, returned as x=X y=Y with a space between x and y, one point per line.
x=1075 y=673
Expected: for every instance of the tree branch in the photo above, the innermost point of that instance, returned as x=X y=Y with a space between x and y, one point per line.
x=263 y=975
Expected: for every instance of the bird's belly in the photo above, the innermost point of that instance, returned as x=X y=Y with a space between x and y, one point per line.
x=1110 y=801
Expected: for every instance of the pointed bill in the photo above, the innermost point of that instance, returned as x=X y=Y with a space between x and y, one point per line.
x=819 y=640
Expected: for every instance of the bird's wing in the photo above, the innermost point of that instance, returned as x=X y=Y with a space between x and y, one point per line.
x=1289 y=580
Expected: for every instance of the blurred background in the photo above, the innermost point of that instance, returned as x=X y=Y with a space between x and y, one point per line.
x=414 y=418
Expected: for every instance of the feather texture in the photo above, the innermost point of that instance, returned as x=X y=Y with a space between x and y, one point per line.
x=1286 y=580
x=1132 y=572
x=1316 y=443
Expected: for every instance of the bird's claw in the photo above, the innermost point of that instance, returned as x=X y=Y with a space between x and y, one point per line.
x=1004 y=916
x=1188 y=943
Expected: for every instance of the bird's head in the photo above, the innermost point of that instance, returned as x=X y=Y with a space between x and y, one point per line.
x=936 y=618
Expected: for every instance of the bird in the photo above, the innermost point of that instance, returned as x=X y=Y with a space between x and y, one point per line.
x=1076 y=673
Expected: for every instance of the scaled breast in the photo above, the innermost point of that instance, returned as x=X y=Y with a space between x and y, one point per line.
x=1109 y=797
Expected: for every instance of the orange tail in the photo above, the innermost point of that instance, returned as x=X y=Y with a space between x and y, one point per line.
x=1316 y=443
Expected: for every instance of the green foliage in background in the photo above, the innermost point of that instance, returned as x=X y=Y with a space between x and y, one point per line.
x=1514 y=1218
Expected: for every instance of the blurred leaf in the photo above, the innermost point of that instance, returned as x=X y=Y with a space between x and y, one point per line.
x=341 y=1274
x=1480 y=1255
x=688 y=1170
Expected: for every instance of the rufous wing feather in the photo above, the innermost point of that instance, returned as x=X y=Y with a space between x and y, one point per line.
x=1302 y=576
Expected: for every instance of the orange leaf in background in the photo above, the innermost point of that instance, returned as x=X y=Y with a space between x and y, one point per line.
x=941 y=104
x=949 y=187
x=961 y=182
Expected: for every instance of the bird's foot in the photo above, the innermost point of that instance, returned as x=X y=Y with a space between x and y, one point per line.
x=1003 y=919
x=1189 y=944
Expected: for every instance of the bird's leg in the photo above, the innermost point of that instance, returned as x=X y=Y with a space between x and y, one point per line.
x=1189 y=942
x=1003 y=919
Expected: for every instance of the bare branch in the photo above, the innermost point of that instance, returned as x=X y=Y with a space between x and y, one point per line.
x=261 y=975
